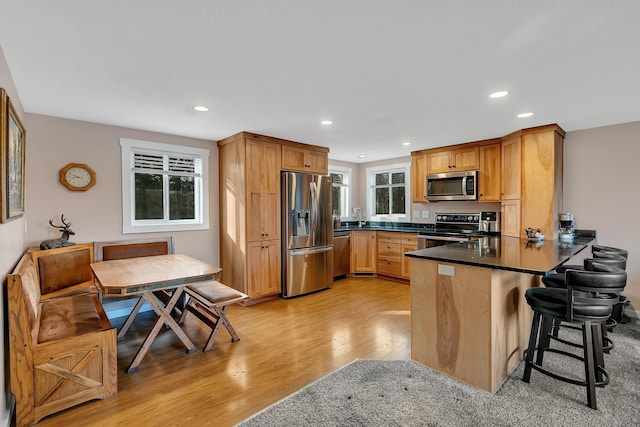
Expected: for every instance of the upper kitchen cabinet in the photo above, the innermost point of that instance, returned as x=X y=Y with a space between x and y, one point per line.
x=532 y=176
x=489 y=181
x=458 y=160
x=300 y=159
x=418 y=178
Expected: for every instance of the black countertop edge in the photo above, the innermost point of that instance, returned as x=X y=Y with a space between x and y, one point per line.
x=483 y=265
x=385 y=226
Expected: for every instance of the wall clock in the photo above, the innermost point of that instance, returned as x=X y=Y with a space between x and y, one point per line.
x=77 y=177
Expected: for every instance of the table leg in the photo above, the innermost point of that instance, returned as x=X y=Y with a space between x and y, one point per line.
x=127 y=324
x=164 y=317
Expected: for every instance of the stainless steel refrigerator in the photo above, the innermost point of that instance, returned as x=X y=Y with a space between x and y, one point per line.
x=307 y=233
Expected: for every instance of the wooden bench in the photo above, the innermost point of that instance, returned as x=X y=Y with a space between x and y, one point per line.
x=62 y=350
x=209 y=302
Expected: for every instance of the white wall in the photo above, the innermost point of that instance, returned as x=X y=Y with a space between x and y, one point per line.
x=96 y=214
x=601 y=187
x=12 y=237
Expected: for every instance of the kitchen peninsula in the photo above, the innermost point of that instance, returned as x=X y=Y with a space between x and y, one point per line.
x=469 y=318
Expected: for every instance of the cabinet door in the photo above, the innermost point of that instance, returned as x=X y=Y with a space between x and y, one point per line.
x=465 y=159
x=318 y=162
x=263 y=268
x=439 y=162
x=302 y=160
x=363 y=252
x=489 y=181
x=263 y=190
x=419 y=178
x=409 y=244
x=511 y=218
x=511 y=168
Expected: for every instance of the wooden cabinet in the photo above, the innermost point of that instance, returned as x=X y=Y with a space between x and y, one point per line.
x=511 y=167
x=391 y=248
x=305 y=160
x=263 y=190
x=409 y=244
x=462 y=159
x=263 y=268
x=250 y=215
x=390 y=253
x=363 y=252
x=250 y=203
x=419 y=178
x=489 y=174
x=532 y=180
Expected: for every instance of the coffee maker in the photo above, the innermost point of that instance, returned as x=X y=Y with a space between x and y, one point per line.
x=566 y=232
x=489 y=222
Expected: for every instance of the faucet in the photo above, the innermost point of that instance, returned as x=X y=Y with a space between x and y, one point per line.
x=357 y=214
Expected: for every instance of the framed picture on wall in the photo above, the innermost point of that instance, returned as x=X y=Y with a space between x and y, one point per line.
x=12 y=153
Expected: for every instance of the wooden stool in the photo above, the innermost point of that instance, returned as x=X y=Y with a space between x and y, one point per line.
x=209 y=302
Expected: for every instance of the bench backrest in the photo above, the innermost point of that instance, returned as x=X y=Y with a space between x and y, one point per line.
x=24 y=296
x=122 y=249
x=64 y=267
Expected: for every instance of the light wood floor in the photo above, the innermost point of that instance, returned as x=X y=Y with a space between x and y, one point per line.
x=284 y=345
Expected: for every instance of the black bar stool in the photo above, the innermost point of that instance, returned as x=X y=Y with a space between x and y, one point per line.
x=587 y=302
x=597 y=251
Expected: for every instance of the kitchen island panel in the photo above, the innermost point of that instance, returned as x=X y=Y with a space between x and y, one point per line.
x=472 y=325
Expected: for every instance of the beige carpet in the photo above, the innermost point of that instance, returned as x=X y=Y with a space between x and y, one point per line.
x=403 y=393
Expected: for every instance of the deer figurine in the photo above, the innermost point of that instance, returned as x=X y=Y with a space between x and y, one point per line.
x=63 y=240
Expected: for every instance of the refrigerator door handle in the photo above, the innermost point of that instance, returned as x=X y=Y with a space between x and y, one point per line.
x=313 y=189
x=310 y=250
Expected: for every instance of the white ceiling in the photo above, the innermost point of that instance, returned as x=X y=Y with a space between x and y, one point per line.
x=384 y=71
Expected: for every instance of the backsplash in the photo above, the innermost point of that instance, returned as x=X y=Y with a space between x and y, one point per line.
x=448 y=207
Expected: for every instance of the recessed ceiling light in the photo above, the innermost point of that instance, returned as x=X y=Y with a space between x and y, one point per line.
x=201 y=108
x=362 y=156
x=499 y=94
x=523 y=115
x=326 y=122
x=406 y=143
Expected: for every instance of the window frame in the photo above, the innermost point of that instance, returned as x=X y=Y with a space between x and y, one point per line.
x=128 y=147
x=371 y=184
x=346 y=172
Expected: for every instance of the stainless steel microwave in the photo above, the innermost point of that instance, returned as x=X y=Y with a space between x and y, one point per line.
x=452 y=186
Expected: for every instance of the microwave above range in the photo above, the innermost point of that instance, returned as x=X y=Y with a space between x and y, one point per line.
x=452 y=186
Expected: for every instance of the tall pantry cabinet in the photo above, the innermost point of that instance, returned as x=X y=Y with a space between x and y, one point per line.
x=532 y=180
x=250 y=246
x=250 y=203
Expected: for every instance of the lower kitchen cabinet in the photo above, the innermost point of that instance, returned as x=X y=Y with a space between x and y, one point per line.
x=409 y=244
x=390 y=253
x=391 y=249
x=263 y=268
x=363 y=252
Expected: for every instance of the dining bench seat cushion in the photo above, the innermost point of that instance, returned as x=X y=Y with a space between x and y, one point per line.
x=69 y=316
x=134 y=250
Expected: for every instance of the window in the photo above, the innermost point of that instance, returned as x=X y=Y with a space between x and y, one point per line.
x=341 y=184
x=164 y=187
x=388 y=198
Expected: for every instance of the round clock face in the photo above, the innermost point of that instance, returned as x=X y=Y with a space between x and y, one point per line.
x=78 y=177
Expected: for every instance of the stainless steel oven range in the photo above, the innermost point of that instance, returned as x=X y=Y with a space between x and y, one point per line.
x=450 y=228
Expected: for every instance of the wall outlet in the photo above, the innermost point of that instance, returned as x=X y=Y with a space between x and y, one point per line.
x=425 y=214
x=416 y=214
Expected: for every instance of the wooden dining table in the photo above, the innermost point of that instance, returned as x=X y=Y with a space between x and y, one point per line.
x=149 y=277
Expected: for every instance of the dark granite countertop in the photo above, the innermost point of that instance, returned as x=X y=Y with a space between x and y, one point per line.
x=506 y=253
x=385 y=226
